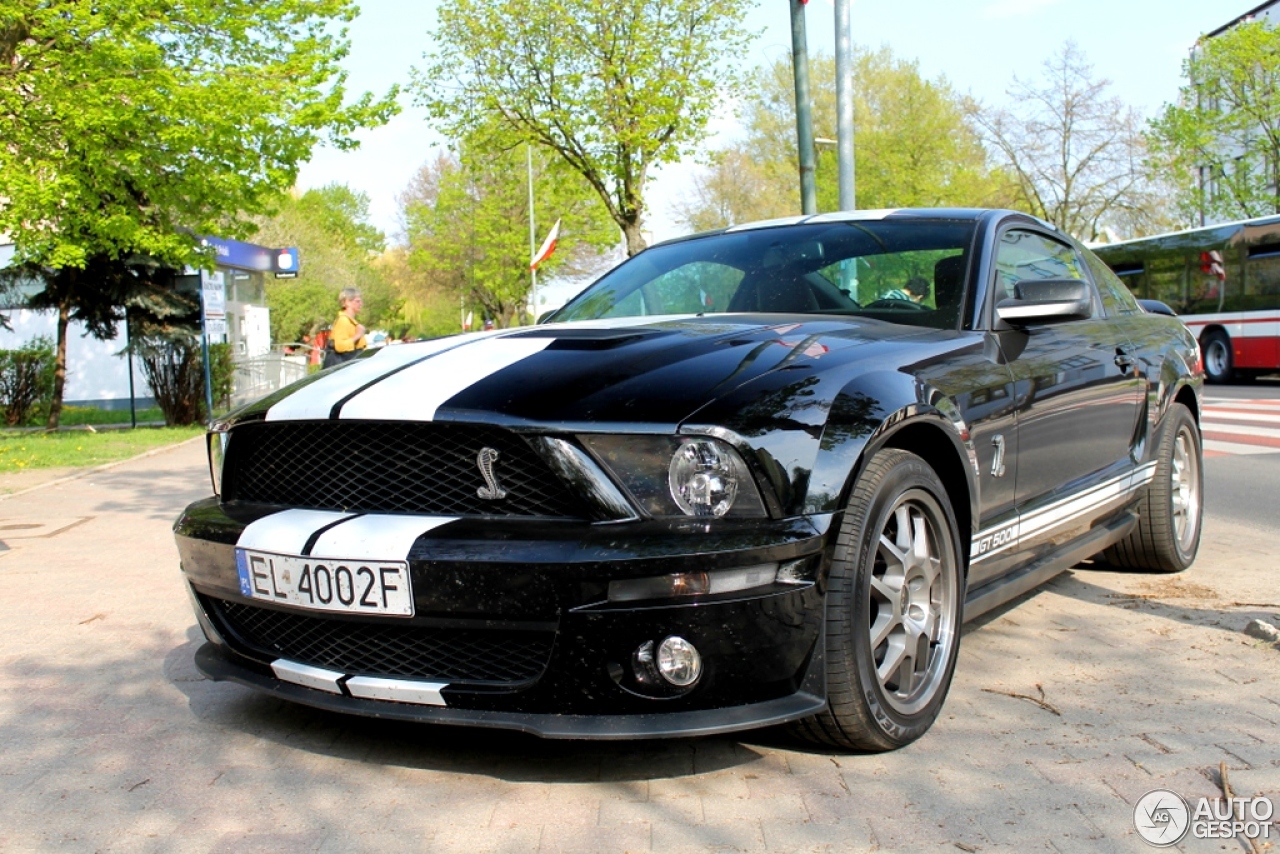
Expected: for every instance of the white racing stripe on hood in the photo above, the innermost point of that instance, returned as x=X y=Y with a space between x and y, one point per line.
x=375 y=537
x=415 y=393
x=286 y=532
x=316 y=401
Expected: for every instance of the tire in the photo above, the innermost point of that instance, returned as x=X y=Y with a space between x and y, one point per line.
x=895 y=587
x=1217 y=357
x=1171 y=509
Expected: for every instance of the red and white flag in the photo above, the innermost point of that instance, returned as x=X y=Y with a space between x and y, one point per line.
x=1211 y=265
x=548 y=246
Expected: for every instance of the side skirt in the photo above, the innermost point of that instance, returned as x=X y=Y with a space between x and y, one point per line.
x=998 y=591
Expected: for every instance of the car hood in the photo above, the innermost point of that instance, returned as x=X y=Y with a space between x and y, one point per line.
x=651 y=372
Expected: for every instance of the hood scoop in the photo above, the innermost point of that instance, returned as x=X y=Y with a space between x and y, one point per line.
x=590 y=339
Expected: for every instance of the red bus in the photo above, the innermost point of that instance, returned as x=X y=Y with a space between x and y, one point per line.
x=1222 y=280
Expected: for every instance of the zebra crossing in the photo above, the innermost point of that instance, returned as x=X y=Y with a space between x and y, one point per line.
x=1240 y=427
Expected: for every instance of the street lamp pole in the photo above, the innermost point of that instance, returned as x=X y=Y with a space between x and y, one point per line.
x=804 y=120
x=533 y=233
x=844 y=103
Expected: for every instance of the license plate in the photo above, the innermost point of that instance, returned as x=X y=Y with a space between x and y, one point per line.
x=324 y=584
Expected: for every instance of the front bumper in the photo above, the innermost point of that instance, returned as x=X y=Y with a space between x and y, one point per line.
x=512 y=627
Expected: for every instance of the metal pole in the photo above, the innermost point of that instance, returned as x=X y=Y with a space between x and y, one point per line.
x=133 y=399
x=533 y=233
x=844 y=103
x=204 y=349
x=804 y=120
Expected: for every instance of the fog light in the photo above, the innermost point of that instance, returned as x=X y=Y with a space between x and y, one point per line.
x=679 y=662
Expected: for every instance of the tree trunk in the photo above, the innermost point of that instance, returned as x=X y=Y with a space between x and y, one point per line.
x=60 y=368
x=635 y=240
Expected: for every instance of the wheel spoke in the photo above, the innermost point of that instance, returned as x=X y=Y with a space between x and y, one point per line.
x=921 y=551
x=889 y=587
x=894 y=654
x=893 y=553
x=885 y=623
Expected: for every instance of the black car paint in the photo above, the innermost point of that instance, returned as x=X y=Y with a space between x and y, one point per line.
x=807 y=401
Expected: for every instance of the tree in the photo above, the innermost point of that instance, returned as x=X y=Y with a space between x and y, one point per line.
x=1078 y=156
x=467 y=224
x=427 y=309
x=131 y=126
x=1221 y=141
x=339 y=249
x=914 y=144
x=614 y=87
x=734 y=188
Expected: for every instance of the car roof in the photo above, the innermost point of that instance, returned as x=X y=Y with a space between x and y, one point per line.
x=974 y=214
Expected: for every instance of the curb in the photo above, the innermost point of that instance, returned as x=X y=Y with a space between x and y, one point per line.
x=101 y=468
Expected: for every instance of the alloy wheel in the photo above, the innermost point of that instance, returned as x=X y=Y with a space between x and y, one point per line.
x=912 y=602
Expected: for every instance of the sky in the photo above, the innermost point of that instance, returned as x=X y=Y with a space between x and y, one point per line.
x=977 y=45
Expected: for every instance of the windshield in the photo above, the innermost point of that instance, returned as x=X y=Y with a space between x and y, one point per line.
x=909 y=271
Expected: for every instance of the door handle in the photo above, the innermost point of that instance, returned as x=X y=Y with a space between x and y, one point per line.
x=1124 y=358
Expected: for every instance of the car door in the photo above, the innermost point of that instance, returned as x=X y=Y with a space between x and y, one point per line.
x=1078 y=398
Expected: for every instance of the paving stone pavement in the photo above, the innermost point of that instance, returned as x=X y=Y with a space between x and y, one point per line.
x=1067 y=707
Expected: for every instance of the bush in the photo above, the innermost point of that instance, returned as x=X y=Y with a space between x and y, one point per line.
x=26 y=381
x=222 y=370
x=174 y=369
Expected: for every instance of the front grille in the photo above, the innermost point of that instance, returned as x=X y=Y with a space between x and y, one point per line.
x=390 y=467
x=491 y=656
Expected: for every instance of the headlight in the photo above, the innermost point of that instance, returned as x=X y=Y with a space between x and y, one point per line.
x=217 y=441
x=704 y=479
x=680 y=475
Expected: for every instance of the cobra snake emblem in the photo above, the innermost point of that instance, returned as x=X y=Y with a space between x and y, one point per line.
x=491 y=491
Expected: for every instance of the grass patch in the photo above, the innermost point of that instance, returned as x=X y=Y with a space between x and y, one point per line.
x=82 y=449
x=73 y=416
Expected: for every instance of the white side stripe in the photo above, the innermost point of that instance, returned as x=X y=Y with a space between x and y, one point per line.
x=417 y=392
x=1010 y=534
x=375 y=537
x=286 y=532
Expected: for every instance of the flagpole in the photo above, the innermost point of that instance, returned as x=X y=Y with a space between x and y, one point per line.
x=533 y=233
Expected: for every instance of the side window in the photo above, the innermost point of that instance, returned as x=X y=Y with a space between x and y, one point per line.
x=1116 y=298
x=1030 y=255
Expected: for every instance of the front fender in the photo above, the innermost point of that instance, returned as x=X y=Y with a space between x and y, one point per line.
x=808 y=433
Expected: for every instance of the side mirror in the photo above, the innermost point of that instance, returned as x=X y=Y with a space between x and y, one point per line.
x=1046 y=301
x=1154 y=306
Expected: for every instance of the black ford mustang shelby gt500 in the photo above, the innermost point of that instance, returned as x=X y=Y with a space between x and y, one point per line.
x=748 y=477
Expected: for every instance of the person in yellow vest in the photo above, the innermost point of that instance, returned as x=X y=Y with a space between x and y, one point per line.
x=347 y=338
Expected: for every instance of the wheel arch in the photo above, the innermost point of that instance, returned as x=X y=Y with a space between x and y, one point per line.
x=941 y=449
x=1187 y=396
x=926 y=433
x=1211 y=328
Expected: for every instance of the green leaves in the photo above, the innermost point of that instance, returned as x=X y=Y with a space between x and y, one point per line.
x=330 y=227
x=1222 y=137
x=613 y=86
x=127 y=125
x=915 y=146
x=467 y=223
